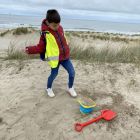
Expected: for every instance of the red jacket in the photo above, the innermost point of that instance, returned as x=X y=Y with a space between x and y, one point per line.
x=60 y=39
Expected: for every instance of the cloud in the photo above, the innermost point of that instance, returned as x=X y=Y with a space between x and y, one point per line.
x=111 y=10
x=129 y=6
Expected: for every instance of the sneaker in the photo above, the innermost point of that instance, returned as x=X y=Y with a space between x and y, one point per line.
x=72 y=92
x=50 y=92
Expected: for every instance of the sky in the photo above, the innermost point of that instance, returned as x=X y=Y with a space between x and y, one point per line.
x=111 y=10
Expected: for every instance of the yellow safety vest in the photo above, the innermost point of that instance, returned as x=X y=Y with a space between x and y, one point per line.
x=52 y=50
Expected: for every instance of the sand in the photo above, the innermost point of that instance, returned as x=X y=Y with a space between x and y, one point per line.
x=27 y=113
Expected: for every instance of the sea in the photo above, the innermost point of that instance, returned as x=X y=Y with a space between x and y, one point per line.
x=9 y=21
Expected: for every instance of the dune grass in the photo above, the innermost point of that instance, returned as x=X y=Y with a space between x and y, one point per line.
x=17 y=31
x=21 y=30
x=14 y=53
x=101 y=36
x=4 y=33
x=107 y=55
x=127 y=54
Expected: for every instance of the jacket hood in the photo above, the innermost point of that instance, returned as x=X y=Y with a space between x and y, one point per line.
x=44 y=25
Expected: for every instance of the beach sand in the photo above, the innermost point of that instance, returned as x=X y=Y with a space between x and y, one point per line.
x=27 y=113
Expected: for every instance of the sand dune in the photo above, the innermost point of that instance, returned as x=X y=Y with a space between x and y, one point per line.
x=27 y=113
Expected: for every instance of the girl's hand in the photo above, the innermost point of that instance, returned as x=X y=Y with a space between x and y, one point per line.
x=26 y=50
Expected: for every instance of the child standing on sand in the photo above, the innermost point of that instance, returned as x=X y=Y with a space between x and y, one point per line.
x=53 y=47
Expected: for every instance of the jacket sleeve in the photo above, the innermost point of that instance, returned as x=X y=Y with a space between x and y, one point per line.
x=39 y=48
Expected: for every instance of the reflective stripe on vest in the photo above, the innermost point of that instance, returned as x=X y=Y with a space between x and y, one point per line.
x=52 y=58
x=52 y=50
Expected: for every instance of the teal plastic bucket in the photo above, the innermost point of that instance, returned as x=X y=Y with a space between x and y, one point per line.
x=86 y=110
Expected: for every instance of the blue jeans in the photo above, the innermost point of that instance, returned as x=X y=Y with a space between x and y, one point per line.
x=54 y=72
